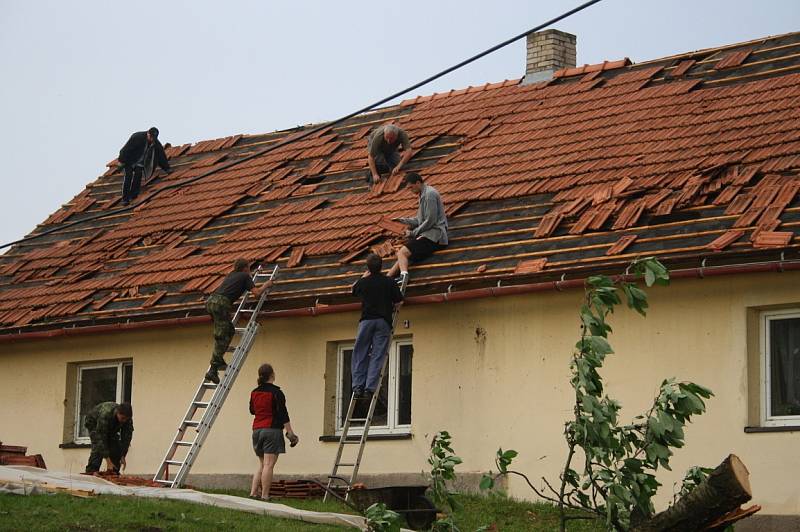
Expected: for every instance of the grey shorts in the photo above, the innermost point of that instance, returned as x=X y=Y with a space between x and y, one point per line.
x=268 y=441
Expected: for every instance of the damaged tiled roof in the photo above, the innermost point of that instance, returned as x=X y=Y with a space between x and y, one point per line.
x=691 y=157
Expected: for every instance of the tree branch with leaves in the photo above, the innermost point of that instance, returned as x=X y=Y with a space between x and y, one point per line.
x=617 y=479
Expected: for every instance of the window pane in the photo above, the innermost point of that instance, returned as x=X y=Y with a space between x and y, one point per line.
x=379 y=419
x=97 y=385
x=784 y=352
x=347 y=356
x=406 y=353
x=127 y=382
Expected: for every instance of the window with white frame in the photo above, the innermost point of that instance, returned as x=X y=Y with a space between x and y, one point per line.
x=393 y=410
x=98 y=383
x=780 y=368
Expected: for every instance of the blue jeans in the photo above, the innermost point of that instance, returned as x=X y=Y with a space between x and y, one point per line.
x=372 y=341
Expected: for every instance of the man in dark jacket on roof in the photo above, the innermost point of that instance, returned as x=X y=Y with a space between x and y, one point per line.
x=220 y=306
x=139 y=157
x=110 y=427
x=378 y=295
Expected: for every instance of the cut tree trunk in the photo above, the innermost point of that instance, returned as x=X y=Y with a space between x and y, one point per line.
x=725 y=489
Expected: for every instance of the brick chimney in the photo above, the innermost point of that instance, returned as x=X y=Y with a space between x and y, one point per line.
x=548 y=51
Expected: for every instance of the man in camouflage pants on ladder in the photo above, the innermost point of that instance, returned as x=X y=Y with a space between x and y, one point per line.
x=220 y=306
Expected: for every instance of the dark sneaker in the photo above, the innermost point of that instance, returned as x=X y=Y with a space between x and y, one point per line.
x=358 y=393
x=212 y=376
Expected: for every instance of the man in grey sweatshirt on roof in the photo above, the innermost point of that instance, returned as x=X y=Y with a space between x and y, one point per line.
x=428 y=229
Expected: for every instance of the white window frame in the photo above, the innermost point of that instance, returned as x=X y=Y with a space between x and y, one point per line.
x=120 y=384
x=768 y=420
x=392 y=408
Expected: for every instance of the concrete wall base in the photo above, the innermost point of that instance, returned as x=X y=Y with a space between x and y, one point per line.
x=466 y=482
x=773 y=523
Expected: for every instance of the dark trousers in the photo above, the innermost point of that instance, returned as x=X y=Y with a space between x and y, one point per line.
x=221 y=310
x=132 y=183
x=96 y=457
x=384 y=163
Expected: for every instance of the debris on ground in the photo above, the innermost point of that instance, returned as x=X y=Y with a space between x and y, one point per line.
x=125 y=480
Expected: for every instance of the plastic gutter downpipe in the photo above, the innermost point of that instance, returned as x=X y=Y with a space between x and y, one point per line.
x=463 y=295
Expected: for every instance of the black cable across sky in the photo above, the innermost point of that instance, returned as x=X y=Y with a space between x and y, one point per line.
x=315 y=129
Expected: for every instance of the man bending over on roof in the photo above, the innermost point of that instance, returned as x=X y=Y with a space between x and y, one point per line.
x=110 y=427
x=428 y=232
x=138 y=156
x=379 y=295
x=220 y=306
x=382 y=152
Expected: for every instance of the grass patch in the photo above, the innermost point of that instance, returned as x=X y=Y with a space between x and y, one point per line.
x=106 y=512
x=511 y=515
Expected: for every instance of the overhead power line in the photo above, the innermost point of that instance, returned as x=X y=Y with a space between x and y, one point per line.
x=313 y=130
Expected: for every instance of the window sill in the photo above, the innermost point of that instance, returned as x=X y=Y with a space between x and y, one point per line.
x=74 y=445
x=371 y=437
x=787 y=428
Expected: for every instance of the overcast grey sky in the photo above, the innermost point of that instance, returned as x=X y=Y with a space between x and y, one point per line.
x=79 y=76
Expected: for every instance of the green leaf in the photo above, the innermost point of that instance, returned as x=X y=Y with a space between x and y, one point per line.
x=487 y=483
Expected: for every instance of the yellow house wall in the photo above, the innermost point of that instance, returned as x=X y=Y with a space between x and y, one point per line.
x=507 y=387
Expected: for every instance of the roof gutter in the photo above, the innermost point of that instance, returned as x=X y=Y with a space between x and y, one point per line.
x=463 y=295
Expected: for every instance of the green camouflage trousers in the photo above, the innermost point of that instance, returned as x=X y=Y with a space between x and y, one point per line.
x=221 y=310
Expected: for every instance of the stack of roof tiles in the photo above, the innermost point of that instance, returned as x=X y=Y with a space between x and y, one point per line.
x=18 y=455
x=685 y=158
x=295 y=489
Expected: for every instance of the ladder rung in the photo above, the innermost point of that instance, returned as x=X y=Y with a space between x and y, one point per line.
x=201 y=404
x=160 y=481
x=231 y=349
x=357 y=419
x=351 y=442
x=173 y=462
x=184 y=443
x=209 y=384
x=240 y=329
x=346 y=464
x=190 y=423
x=250 y=310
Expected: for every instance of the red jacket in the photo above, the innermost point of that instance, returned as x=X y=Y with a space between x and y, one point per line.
x=268 y=405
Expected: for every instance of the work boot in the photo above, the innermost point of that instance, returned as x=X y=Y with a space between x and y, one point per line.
x=402 y=277
x=212 y=376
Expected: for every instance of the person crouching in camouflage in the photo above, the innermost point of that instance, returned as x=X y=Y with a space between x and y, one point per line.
x=110 y=427
x=220 y=306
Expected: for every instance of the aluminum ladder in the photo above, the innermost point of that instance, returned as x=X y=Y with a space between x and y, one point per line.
x=202 y=412
x=355 y=463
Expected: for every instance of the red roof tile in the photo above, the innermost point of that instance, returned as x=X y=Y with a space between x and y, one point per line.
x=620 y=245
x=773 y=239
x=530 y=266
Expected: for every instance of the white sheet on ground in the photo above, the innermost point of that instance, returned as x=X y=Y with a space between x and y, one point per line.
x=24 y=479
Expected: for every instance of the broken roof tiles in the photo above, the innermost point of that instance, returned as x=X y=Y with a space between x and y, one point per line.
x=600 y=158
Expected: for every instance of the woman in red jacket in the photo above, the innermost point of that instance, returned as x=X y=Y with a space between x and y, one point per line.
x=268 y=405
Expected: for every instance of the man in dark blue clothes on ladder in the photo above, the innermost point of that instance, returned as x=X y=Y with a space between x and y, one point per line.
x=379 y=295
